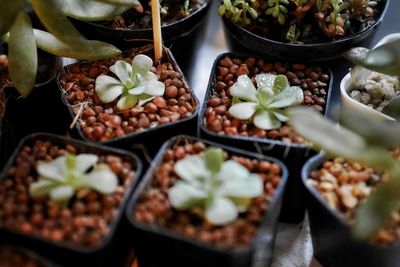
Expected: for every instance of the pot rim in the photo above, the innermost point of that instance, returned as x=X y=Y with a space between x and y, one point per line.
x=258 y=140
x=120 y=210
x=171 y=234
x=311 y=45
x=165 y=27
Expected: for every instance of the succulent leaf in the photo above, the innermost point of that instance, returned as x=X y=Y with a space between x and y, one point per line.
x=8 y=13
x=221 y=211
x=214 y=157
x=90 y=10
x=392 y=109
x=22 y=54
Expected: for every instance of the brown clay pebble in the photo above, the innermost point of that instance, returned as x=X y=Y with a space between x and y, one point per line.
x=153 y=206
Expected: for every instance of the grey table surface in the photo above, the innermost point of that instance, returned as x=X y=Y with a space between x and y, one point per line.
x=196 y=57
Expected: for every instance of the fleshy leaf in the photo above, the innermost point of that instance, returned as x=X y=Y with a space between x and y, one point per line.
x=41 y=188
x=266 y=120
x=153 y=88
x=127 y=101
x=122 y=69
x=108 y=89
x=281 y=115
x=8 y=13
x=53 y=170
x=375 y=131
x=280 y=83
x=138 y=90
x=61 y=193
x=52 y=17
x=143 y=99
x=221 y=211
x=22 y=54
x=85 y=161
x=249 y=186
x=392 y=109
x=374 y=213
x=244 y=89
x=96 y=51
x=102 y=179
x=232 y=170
x=288 y=97
x=149 y=76
x=265 y=80
x=214 y=158
x=127 y=3
x=183 y=195
x=244 y=110
x=89 y=10
x=141 y=64
x=192 y=168
x=325 y=134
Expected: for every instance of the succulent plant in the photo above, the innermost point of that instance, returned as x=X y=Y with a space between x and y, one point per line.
x=62 y=39
x=384 y=59
x=136 y=84
x=278 y=9
x=216 y=189
x=265 y=104
x=62 y=177
x=363 y=139
x=239 y=10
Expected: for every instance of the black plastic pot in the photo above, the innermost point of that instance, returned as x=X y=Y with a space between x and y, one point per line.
x=64 y=253
x=293 y=155
x=157 y=246
x=151 y=138
x=23 y=253
x=170 y=32
x=242 y=38
x=332 y=240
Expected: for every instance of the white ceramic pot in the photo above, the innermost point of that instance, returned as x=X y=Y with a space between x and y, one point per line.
x=345 y=87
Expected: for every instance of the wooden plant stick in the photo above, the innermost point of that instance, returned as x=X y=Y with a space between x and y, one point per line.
x=155 y=13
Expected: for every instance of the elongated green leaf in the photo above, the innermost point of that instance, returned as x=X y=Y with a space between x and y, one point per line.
x=376 y=132
x=214 y=158
x=89 y=10
x=383 y=59
x=128 y=3
x=22 y=54
x=96 y=50
x=325 y=134
x=51 y=15
x=8 y=12
x=393 y=108
x=375 y=212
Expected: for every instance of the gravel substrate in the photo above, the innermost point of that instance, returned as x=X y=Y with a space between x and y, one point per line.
x=154 y=208
x=87 y=218
x=12 y=257
x=345 y=185
x=314 y=81
x=103 y=122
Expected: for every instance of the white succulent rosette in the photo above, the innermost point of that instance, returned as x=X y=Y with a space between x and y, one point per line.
x=61 y=177
x=265 y=104
x=221 y=189
x=136 y=84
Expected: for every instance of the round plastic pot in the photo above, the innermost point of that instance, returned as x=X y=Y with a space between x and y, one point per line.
x=293 y=155
x=170 y=32
x=307 y=52
x=331 y=236
x=158 y=246
x=65 y=253
x=150 y=138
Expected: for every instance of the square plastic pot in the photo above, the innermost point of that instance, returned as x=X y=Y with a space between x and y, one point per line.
x=158 y=246
x=151 y=138
x=293 y=155
x=331 y=236
x=62 y=252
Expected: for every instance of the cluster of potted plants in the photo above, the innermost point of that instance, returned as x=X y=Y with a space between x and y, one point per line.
x=214 y=200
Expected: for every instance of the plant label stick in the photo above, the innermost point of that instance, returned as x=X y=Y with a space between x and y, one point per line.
x=155 y=13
